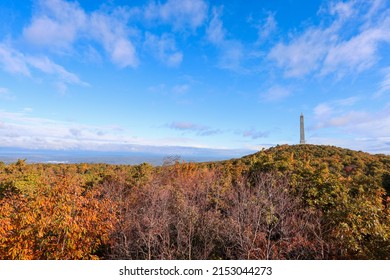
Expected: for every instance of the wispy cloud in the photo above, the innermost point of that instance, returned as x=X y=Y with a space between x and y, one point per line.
x=47 y=66
x=367 y=144
x=231 y=52
x=275 y=93
x=357 y=54
x=13 y=61
x=16 y=62
x=179 y=13
x=5 y=94
x=164 y=49
x=253 y=133
x=200 y=130
x=215 y=31
x=111 y=32
x=341 y=122
x=266 y=27
x=303 y=55
x=333 y=113
x=343 y=118
x=384 y=85
x=180 y=89
x=328 y=49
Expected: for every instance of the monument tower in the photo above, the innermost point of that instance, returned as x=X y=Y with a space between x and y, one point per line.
x=302 y=130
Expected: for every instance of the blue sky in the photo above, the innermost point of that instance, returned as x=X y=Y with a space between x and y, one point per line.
x=111 y=75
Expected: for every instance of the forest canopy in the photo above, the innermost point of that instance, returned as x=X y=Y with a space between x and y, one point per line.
x=286 y=202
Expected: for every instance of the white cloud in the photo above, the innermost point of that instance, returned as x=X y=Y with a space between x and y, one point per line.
x=303 y=54
x=357 y=54
x=123 y=53
x=58 y=25
x=348 y=44
x=111 y=33
x=333 y=113
x=179 y=13
x=343 y=10
x=352 y=118
x=341 y=117
x=164 y=49
x=352 y=128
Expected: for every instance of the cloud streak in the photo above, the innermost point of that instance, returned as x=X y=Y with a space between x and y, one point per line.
x=362 y=127
x=266 y=27
x=384 y=85
x=15 y=62
x=199 y=130
x=254 y=134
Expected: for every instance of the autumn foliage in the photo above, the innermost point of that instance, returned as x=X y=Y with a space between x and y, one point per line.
x=288 y=202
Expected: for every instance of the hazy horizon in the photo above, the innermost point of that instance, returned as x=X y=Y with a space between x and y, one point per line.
x=152 y=156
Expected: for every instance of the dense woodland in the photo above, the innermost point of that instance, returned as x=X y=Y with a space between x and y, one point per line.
x=287 y=202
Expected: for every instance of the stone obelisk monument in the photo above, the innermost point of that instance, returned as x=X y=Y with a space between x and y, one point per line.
x=302 y=129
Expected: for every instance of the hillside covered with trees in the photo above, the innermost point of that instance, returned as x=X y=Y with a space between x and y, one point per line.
x=286 y=202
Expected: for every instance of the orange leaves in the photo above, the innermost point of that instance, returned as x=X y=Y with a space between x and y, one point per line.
x=62 y=221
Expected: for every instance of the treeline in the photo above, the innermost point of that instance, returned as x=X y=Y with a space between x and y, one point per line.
x=287 y=202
